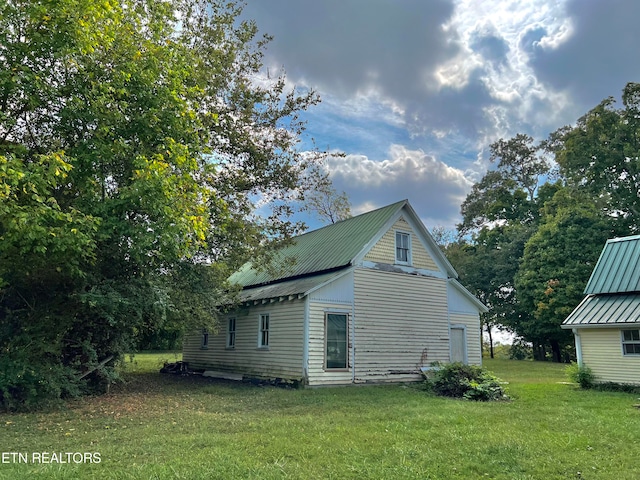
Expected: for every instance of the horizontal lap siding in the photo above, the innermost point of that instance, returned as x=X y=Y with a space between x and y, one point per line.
x=317 y=373
x=602 y=353
x=472 y=322
x=283 y=358
x=401 y=323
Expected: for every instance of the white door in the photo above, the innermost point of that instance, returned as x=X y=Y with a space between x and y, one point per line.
x=458 y=345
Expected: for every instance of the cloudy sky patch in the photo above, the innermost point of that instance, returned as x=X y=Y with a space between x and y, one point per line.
x=414 y=92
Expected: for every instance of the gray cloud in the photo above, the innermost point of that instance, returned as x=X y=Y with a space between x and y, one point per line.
x=343 y=45
x=600 y=56
x=491 y=46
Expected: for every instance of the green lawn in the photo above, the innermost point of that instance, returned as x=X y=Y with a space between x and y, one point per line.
x=160 y=426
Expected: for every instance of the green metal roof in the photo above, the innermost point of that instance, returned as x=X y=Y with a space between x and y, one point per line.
x=285 y=289
x=605 y=310
x=618 y=268
x=326 y=249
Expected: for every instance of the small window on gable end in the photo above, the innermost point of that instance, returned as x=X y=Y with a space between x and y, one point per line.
x=231 y=332
x=631 y=342
x=263 y=333
x=204 y=344
x=403 y=247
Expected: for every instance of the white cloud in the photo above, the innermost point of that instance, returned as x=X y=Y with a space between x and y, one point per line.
x=435 y=189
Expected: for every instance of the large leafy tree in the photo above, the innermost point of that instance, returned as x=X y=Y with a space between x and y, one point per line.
x=557 y=262
x=135 y=139
x=601 y=156
x=501 y=212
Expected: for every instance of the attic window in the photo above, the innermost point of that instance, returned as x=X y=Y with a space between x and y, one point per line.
x=631 y=342
x=403 y=247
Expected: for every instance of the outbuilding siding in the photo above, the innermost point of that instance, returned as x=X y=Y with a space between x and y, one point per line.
x=282 y=359
x=602 y=353
x=401 y=324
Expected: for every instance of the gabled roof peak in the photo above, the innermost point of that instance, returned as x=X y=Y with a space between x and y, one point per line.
x=618 y=268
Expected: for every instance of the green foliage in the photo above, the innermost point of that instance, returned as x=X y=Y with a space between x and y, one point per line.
x=535 y=240
x=601 y=156
x=133 y=142
x=465 y=381
x=27 y=385
x=556 y=266
x=581 y=374
x=520 y=350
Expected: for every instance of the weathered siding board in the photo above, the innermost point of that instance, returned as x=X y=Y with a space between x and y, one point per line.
x=474 y=344
x=283 y=358
x=602 y=353
x=317 y=373
x=384 y=251
x=401 y=323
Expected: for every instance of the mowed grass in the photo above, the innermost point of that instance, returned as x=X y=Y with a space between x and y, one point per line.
x=158 y=426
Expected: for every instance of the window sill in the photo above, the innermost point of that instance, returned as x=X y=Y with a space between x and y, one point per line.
x=263 y=348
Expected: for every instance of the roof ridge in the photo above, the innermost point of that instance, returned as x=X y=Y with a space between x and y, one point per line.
x=623 y=239
x=350 y=218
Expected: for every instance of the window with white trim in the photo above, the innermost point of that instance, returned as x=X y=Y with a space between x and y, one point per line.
x=204 y=341
x=631 y=342
x=263 y=333
x=403 y=247
x=336 y=340
x=231 y=332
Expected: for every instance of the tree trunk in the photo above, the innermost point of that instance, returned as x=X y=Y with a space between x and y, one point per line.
x=555 y=348
x=490 y=341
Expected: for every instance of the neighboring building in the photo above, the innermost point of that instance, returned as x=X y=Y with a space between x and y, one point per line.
x=367 y=299
x=606 y=324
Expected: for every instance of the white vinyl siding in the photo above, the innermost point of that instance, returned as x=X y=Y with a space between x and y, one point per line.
x=282 y=359
x=602 y=352
x=397 y=333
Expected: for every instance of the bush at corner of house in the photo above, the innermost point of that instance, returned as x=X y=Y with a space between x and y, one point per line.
x=470 y=382
x=581 y=374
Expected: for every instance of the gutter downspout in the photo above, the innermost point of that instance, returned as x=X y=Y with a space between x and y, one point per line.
x=305 y=342
x=576 y=336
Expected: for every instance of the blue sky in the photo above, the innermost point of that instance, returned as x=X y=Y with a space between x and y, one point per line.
x=414 y=91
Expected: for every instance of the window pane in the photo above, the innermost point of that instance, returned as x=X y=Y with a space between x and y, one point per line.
x=264 y=330
x=336 y=353
x=402 y=247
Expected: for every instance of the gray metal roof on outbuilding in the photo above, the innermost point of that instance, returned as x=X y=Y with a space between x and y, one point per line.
x=605 y=310
x=618 y=268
